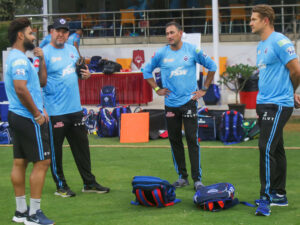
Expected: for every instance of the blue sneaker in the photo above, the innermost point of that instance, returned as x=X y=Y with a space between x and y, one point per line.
x=38 y=219
x=277 y=200
x=20 y=217
x=263 y=208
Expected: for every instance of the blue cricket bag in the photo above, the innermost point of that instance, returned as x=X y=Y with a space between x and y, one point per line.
x=232 y=127
x=108 y=96
x=206 y=128
x=212 y=96
x=215 y=197
x=153 y=191
x=95 y=65
x=5 y=137
x=116 y=113
x=106 y=124
x=90 y=121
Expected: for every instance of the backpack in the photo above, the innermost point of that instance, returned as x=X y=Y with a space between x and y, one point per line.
x=116 y=113
x=90 y=121
x=206 y=128
x=108 y=96
x=5 y=137
x=232 y=127
x=106 y=124
x=153 y=191
x=215 y=197
x=212 y=95
x=95 y=65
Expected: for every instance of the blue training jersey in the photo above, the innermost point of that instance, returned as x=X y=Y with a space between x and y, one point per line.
x=178 y=71
x=74 y=38
x=45 y=41
x=61 y=94
x=274 y=83
x=19 y=67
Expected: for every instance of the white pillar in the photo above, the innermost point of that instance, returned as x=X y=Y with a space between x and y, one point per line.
x=215 y=14
x=45 y=18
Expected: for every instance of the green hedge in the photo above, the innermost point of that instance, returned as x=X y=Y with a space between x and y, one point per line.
x=4 y=43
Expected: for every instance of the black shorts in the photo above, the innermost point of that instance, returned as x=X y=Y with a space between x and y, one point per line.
x=30 y=140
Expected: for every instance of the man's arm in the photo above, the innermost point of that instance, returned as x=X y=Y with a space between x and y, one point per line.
x=77 y=47
x=158 y=90
x=200 y=93
x=27 y=101
x=294 y=68
x=38 y=52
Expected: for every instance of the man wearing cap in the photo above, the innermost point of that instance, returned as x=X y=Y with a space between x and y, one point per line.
x=62 y=102
x=74 y=39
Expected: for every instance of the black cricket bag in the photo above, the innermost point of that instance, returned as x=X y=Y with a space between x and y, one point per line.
x=110 y=67
x=206 y=128
x=153 y=191
x=90 y=121
x=212 y=96
x=106 y=124
x=232 y=127
x=215 y=197
x=116 y=113
x=251 y=130
x=108 y=96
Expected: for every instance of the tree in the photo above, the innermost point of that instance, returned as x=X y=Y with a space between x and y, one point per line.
x=7 y=10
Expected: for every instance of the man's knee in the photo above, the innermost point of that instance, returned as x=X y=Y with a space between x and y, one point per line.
x=42 y=165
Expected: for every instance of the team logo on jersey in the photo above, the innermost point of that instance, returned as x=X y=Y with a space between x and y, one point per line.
x=19 y=62
x=178 y=72
x=266 y=50
x=291 y=50
x=72 y=55
x=185 y=58
x=55 y=59
x=168 y=60
x=36 y=63
x=20 y=72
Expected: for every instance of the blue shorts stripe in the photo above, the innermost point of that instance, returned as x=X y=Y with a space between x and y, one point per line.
x=39 y=139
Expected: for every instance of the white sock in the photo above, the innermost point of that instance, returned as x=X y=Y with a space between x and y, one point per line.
x=35 y=204
x=21 y=205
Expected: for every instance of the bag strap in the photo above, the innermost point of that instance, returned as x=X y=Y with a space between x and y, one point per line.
x=227 y=128
x=234 y=126
x=142 y=198
x=157 y=196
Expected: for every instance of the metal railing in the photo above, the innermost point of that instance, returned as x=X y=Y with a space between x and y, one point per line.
x=150 y=23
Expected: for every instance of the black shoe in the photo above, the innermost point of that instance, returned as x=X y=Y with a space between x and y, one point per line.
x=20 y=217
x=65 y=192
x=96 y=188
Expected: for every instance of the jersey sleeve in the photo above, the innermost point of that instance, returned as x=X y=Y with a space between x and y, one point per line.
x=203 y=59
x=154 y=63
x=19 y=69
x=285 y=50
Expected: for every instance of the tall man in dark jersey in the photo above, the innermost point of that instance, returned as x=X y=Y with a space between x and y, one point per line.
x=279 y=77
x=62 y=102
x=27 y=122
x=177 y=62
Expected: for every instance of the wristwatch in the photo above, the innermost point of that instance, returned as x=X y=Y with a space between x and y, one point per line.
x=204 y=88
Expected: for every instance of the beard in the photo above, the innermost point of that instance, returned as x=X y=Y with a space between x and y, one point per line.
x=28 y=45
x=59 y=44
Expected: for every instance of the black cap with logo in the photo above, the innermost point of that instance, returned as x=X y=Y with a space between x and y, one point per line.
x=60 y=23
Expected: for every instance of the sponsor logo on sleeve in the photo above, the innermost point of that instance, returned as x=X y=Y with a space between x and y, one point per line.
x=20 y=72
x=19 y=62
x=283 y=42
x=198 y=50
x=291 y=50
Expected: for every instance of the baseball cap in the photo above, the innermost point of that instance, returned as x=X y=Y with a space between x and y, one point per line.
x=60 y=23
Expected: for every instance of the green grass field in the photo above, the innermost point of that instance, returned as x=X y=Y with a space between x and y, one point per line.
x=115 y=167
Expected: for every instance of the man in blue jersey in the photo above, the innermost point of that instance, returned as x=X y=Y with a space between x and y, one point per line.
x=47 y=39
x=27 y=122
x=62 y=102
x=279 y=77
x=74 y=39
x=177 y=63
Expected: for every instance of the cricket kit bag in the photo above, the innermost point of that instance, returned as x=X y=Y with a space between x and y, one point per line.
x=94 y=65
x=153 y=191
x=232 y=127
x=106 y=124
x=217 y=197
x=206 y=128
x=116 y=113
x=90 y=121
x=5 y=137
x=108 y=96
x=212 y=96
